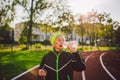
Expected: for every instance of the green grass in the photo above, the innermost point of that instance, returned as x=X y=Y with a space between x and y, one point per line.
x=16 y=62
x=94 y=48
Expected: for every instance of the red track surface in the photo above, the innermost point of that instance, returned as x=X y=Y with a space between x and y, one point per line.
x=94 y=69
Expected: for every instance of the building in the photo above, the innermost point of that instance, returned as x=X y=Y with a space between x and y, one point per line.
x=37 y=33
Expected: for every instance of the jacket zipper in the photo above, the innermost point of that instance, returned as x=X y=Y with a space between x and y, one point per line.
x=68 y=77
x=57 y=64
x=57 y=67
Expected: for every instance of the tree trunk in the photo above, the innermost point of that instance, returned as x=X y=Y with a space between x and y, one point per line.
x=82 y=40
x=29 y=37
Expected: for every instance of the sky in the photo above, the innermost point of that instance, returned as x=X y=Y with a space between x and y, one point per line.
x=108 y=6
x=84 y=6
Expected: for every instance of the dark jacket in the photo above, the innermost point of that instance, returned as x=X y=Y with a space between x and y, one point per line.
x=60 y=67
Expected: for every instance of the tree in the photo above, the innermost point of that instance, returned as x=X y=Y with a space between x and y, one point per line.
x=82 y=26
x=7 y=11
x=96 y=25
x=59 y=15
x=59 y=18
x=37 y=8
x=23 y=35
x=69 y=25
x=116 y=37
x=5 y=32
x=33 y=8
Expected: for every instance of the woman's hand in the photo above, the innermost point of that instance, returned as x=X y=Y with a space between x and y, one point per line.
x=42 y=72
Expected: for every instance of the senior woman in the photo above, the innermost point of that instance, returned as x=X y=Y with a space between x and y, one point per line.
x=59 y=64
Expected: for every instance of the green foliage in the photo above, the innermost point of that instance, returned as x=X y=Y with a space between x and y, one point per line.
x=23 y=36
x=33 y=10
x=6 y=6
x=1 y=45
x=23 y=39
x=5 y=33
x=46 y=42
x=95 y=48
x=116 y=38
x=22 y=45
x=37 y=46
x=14 y=63
x=96 y=26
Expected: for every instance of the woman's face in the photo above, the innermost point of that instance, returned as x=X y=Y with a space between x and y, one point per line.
x=58 y=44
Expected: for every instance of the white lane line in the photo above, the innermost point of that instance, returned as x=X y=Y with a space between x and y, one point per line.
x=24 y=73
x=105 y=67
x=83 y=72
x=83 y=75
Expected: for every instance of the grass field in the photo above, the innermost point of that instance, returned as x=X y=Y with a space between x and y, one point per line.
x=15 y=62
